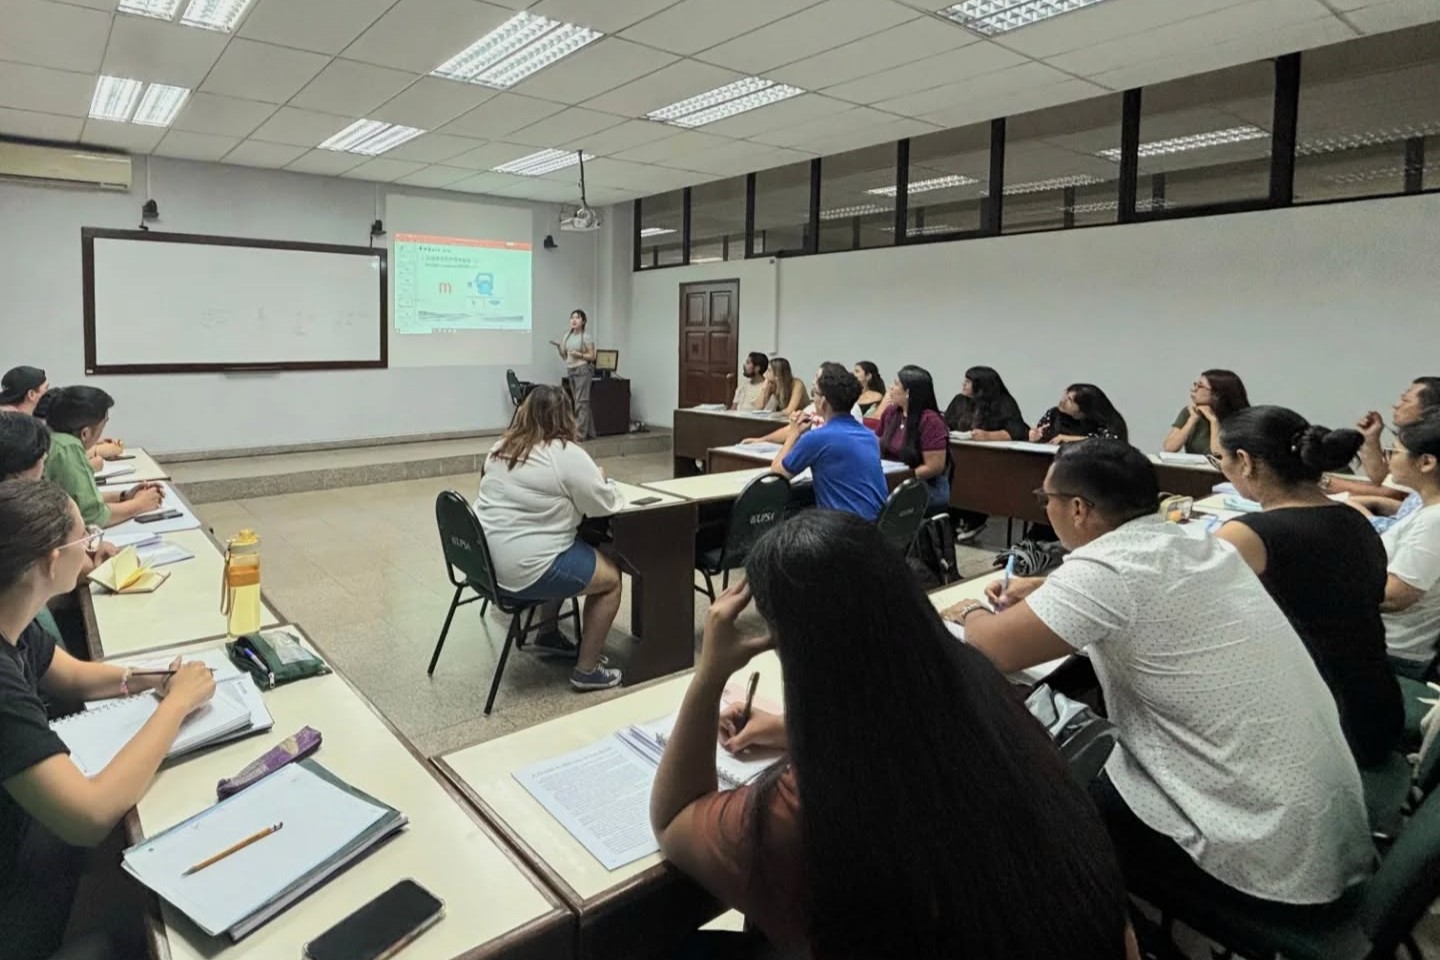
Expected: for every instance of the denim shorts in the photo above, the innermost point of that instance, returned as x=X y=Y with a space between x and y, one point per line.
x=566 y=576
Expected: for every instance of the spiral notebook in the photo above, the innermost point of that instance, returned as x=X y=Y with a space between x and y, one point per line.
x=97 y=736
x=732 y=771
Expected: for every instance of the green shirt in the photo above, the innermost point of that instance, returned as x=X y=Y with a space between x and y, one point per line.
x=1199 y=439
x=68 y=467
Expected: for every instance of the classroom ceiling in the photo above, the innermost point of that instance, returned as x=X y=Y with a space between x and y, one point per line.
x=295 y=72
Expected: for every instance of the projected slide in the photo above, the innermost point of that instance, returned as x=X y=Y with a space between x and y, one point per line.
x=452 y=284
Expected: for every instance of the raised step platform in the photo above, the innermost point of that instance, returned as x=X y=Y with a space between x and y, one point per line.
x=208 y=478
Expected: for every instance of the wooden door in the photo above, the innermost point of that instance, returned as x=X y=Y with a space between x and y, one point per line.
x=709 y=341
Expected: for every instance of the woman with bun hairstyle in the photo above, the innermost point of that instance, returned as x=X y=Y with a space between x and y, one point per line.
x=1321 y=561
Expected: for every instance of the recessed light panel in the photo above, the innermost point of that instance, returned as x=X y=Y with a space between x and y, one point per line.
x=370 y=138
x=160 y=104
x=517 y=48
x=218 y=15
x=537 y=164
x=991 y=17
x=925 y=186
x=1194 y=141
x=748 y=94
x=115 y=98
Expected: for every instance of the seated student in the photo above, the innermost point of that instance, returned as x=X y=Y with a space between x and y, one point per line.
x=1213 y=397
x=873 y=393
x=47 y=806
x=1411 y=609
x=536 y=485
x=913 y=432
x=941 y=824
x=783 y=391
x=1232 y=775
x=21 y=389
x=77 y=418
x=1083 y=412
x=750 y=394
x=1320 y=561
x=1383 y=499
x=840 y=452
x=985 y=409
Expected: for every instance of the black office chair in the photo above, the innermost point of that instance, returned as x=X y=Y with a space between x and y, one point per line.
x=760 y=506
x=467 y=553
x=903 y=513
x=519 y=390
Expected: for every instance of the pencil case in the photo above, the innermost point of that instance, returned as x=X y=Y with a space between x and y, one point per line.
x=274 y=658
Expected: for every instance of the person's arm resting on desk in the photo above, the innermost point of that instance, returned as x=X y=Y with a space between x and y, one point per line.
x=797 y=452
x=582 y=478
x=1081 y=603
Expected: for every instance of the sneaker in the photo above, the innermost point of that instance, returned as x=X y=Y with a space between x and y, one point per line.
x=966 y=532
x=601 y=678
x=554 y=644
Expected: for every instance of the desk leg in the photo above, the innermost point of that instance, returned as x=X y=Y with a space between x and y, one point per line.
x=658 y=547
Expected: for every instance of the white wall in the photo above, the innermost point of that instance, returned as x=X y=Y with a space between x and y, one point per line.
x=41 y=311
x=1330 y=310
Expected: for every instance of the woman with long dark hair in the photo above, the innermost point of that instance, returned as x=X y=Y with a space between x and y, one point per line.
x=783 y=390
x=1083 y=412
x=913 y=432
x=536 y=485
x=985 y=409
x=577 y=349
x=872 y=389
x=921 y=813
x=1214 y=395
x=1321 y=561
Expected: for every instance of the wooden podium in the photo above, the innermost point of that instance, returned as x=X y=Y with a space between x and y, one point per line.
x=609 y=405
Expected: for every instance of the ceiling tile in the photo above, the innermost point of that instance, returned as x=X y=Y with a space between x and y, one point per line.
x=433 y=148
x=999 y=83
x=160 y=52
x=252 y=153
x=552 y=191
x=902 y=44
x=352 y=88
x=969 y=61
x=687 y=141
x=25 y=87
x=856 y=118
x=419 y=35
x=432 y=102
x=106 y=5
x=53 y=35
x=608 y=172
x=330 y=163
x=855 y=139
x=300 y=128
x=262 y=71
x=571 y=124
x=321 y=26
x=610 y=16
x=1380 y=17
x=801 y=109
x=40 y=126
x=829 y=24
x=130 y=137
x=1023 y=101
x=513 y=4
x=1104 y=22
x=384 y=169
x=743 y=158
x=693 y=25
x=436 y=176
x=668 y=85
x=501 y=114
x=195 y=146
x=485 y=182
x=490 y=155
x=222 y=116
x=631 y=133
x=601 y=66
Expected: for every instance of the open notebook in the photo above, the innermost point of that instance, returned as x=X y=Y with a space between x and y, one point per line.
x=649 y=740
x=97 y=736
x=326 y=824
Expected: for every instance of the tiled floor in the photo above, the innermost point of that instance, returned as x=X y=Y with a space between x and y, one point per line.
x=359 y=568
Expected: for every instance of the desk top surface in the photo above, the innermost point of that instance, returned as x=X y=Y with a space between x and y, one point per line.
x=487 y=894
x=632 y=493
x=754 y=416
x=145 y=467
x=709 y=486
x=975 y=590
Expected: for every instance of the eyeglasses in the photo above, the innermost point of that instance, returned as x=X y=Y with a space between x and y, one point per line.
x=1389 y=453
x=1213 y=460
x=1198 y=385
x=92 y=540
x=1042 y=497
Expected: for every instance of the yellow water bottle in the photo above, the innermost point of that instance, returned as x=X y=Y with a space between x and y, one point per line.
x=240 y=590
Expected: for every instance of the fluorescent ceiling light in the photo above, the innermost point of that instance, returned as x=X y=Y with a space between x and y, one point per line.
x=989 y=17
x=655 y=231
x=1054 y=183
x=844 y=213
x=370 y=138
x=706 y=259
x=924 y=186
x=514 y=50
x=1100 y=206
x=115 y=98
x=1194 y=141
x=1369 y=138
x=738 y=97
x=928 y=229
x=160 y=104
x=160 y=9
x=221 y=15
x=537 y=164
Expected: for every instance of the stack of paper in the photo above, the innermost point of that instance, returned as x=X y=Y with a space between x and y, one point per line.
x=1185 y=459
x=650 y=739
x=97 y=736
x=113 y=469
x=326 y=824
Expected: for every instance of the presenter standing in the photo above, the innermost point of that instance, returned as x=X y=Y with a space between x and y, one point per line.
x=578 y=352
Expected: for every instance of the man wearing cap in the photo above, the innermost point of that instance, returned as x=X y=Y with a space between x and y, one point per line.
x=22 y=388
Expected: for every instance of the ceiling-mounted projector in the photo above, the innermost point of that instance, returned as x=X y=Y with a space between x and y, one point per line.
x=584 y=219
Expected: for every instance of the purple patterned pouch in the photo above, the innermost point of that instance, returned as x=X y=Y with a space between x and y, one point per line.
x=293 y=748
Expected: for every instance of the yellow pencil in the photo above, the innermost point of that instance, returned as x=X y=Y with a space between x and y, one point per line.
x=233 y=849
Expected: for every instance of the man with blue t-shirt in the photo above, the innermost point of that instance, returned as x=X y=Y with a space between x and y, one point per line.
x=843 y=456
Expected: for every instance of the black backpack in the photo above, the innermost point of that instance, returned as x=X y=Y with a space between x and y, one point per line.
x=932 y=554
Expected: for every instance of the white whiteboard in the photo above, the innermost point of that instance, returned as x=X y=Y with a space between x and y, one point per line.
x=155 y=304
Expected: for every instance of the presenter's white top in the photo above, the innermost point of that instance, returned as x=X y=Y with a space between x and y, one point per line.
x=1413 y=548
x=1230 y=743
x=575 y=344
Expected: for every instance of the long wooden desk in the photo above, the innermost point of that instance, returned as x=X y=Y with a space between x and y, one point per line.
x=146 y=468
x=696 y=431
x=735 y=457
x=947 y=597
x=644 y=909
x=495 y=906
x=656 y=543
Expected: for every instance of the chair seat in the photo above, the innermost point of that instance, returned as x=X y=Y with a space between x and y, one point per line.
x=709 y=561
x=1387 y=788
x=1411 y=691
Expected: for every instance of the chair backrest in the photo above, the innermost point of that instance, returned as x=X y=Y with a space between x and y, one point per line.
x=1408 y=881
x=517 y=389
x=1427 y=771
x=760 y=506
x=464 y=544
x=903 y=513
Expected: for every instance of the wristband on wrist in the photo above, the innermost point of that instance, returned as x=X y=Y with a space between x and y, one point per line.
x=125 y=681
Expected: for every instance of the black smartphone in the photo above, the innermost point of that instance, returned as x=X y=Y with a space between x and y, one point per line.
x=381 y=928
x=162 y=515
x=643 y=501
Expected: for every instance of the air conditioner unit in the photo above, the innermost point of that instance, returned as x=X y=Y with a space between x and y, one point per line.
x=64 y=166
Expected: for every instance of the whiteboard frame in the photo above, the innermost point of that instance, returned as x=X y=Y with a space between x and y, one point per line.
x=88 y=236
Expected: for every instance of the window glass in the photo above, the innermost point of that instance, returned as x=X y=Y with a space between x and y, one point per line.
x=782 y=208
x=661 y=220
x=717 y=221
x=1056 y=172
x=857 y=199
x=949 y=175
